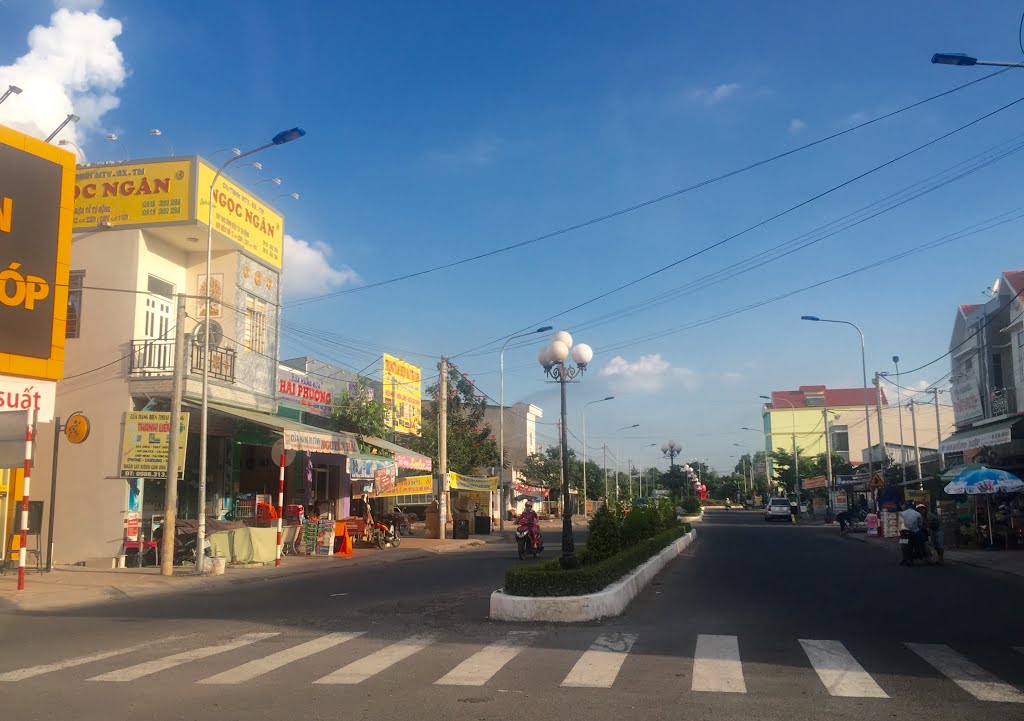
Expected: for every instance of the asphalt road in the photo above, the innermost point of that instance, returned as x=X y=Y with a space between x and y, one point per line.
x=756 y=620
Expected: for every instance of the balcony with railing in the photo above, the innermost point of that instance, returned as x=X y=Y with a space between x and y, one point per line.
x=155 y=359
x=1004 y=401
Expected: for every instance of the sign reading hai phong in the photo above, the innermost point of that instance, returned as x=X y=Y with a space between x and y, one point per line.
x=36 y=204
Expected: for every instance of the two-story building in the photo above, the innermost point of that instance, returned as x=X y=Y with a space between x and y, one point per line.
x=520 y=421
x=987 y=365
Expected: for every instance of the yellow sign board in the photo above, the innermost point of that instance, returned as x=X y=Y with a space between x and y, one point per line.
x=77 y=428
x=132 y=194
x=36 y=204
x=145 y=442
x=402 y=395
x=411 y=486
x=473 y=483
x=241 y=217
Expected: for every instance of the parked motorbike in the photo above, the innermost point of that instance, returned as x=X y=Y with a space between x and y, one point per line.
x=912 y=549
x=386 y=535
x=528 y=540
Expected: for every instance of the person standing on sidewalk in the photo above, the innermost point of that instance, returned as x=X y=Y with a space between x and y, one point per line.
x=938 y=536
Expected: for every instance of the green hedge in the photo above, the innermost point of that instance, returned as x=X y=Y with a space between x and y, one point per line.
x=549 y=579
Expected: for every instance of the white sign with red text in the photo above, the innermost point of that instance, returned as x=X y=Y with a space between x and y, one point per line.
x=22 y=394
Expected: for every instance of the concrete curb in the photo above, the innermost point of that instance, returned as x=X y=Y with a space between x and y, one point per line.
x=611 y=601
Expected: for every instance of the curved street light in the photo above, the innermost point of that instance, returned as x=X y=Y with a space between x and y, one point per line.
x=157 y=133
x=112 y=137
x=501 y=416
x=583 y=417
x=552 y=359
x=11 y=90
x=285 y=195
x=275 y=181
x=64 y=141
x=967 y=60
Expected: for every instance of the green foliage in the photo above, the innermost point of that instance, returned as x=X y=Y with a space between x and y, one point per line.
x=604 y=539
x=691 y=505
x=641 y=523
x=548 y=578
x=667 y=511
x=357 y=412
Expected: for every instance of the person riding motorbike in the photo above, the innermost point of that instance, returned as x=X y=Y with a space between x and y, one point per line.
x=530 y=519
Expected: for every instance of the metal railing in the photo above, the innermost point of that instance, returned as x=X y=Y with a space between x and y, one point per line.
x=155 y=358
x=1004 y=401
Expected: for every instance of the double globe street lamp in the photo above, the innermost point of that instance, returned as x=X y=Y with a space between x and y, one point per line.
x=552 y=359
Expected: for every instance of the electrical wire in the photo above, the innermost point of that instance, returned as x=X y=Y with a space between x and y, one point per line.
x=649 y=202
x=763 y=222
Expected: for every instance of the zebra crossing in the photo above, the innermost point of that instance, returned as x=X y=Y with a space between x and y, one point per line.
x=716 y=665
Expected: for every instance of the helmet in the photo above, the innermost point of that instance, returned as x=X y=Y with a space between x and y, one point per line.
x=529 y=504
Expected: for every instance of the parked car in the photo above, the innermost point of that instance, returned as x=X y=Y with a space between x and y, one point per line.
x=777 y=508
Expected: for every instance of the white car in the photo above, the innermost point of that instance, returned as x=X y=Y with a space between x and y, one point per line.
x=777 y=508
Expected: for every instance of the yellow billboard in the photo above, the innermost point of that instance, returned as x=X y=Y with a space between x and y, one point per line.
x=130 y=194
x=144 y=445
x=241 y=217
x=410 y=486
x=402 y=395
x=36 y=204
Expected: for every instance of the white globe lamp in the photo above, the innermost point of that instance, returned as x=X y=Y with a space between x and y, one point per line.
x=558 y=351
x=563 y=337
x=582 y=355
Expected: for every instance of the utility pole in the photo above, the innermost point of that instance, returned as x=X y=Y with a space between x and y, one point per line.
x=828 y=453
x=938 y=432
x=604 y=463
x=917 y=448
x=442 y=447
x=171 y=489
x=881 y=426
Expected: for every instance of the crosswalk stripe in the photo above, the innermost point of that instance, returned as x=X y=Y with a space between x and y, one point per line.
x=364 y=668
x=717 y=666
x=839 y=670
x=966 y=674
x=260 y=666
x=162 y=664
x=599 y=666
x=482 y=665
x=21 y=674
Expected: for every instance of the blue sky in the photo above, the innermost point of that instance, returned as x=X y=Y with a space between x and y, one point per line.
x=442 y=130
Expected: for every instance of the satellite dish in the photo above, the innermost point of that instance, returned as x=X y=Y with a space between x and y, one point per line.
x=216 y=333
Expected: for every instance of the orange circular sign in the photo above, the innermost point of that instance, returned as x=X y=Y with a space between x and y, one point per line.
x=76 y=428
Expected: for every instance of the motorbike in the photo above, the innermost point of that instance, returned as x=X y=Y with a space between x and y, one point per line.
x=912 y=549
x=527 y=541
x=385 y=535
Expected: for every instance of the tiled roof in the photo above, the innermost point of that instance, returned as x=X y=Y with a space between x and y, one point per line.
x=833 y=397
x=1015 y=278
x=968 y=308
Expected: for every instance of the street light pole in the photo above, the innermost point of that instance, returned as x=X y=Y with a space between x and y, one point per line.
x=281 y=138
x=967 y=60
x=864 y=374
x=501 y=422
x=583 y=417
x=11 y=90
x=618 y=452
x=899 y=406
x=552 y=359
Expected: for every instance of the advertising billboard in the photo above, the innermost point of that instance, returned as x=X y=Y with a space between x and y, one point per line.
x=966 y=393
x=402 y=395
x=36 y=206
x=149 y=192
x=240 y=216
x=145 y=443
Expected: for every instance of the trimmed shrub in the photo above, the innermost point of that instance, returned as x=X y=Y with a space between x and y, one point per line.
x=667 y=511
x=549 y=579
x=691 y=505
x=604 y=539
x=641 y=523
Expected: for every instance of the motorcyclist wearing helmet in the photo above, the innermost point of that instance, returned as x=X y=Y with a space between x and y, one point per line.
x=530 y=518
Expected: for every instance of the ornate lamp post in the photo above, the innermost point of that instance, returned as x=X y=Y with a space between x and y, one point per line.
x=552 y=359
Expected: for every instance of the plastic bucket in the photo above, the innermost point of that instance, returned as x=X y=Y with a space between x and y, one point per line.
x=219 y=565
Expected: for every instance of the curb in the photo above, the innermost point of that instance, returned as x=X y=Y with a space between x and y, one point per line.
x=610 y=601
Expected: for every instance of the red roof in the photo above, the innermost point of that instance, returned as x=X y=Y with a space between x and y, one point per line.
x=833 y=397
x=968 y=308
x=1015 y=278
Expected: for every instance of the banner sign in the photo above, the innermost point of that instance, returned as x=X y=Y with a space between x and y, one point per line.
x=411 y=486
x=977 y=439
x=848 y=480
x=966 y=394
x=341 y=444
x=524 y=489
x=364 y=467
x=24 y=394
x=414 y=463
x=384 y=480
x=241 y=216
x=36 y=205
x=304 y=392
x=814 y=482
x=145 y=442
x=473 y=483
x=133 y=194
x=401 y=387
x=839 y=501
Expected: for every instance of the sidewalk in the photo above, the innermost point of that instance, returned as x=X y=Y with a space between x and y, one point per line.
x=999 y=561
x=70 y=586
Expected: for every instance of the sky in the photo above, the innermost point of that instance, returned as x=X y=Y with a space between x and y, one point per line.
x=441 y=131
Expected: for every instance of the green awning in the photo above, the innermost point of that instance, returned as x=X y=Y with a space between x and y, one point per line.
x=990 y=434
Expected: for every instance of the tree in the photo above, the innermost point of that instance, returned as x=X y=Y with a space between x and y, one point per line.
x=785 y=473
x=357 y=412
x=545 y=469
x=471 y=443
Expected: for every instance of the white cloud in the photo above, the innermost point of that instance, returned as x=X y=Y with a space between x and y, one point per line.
x=477 y=153
x=308 y=270
x=73 y=65
x=732 y=378
x=796 y=125
x=648 y=374
x=715 y=95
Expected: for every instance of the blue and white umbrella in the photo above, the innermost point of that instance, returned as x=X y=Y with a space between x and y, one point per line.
x=985 y=481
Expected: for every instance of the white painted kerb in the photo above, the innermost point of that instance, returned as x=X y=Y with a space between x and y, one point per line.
x=611 y=601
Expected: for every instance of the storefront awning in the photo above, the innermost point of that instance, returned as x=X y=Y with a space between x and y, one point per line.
x=992 y=434
x=403 y=456
x=297 y=436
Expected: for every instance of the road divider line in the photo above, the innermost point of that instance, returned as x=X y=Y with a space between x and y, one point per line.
x=482 y=665
x=966 y=674
x=24 y=673
x=260 y=666
x=132 y=673
x=839 y=670
x=599 y=666
x=385 y=658
x=717 y=666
